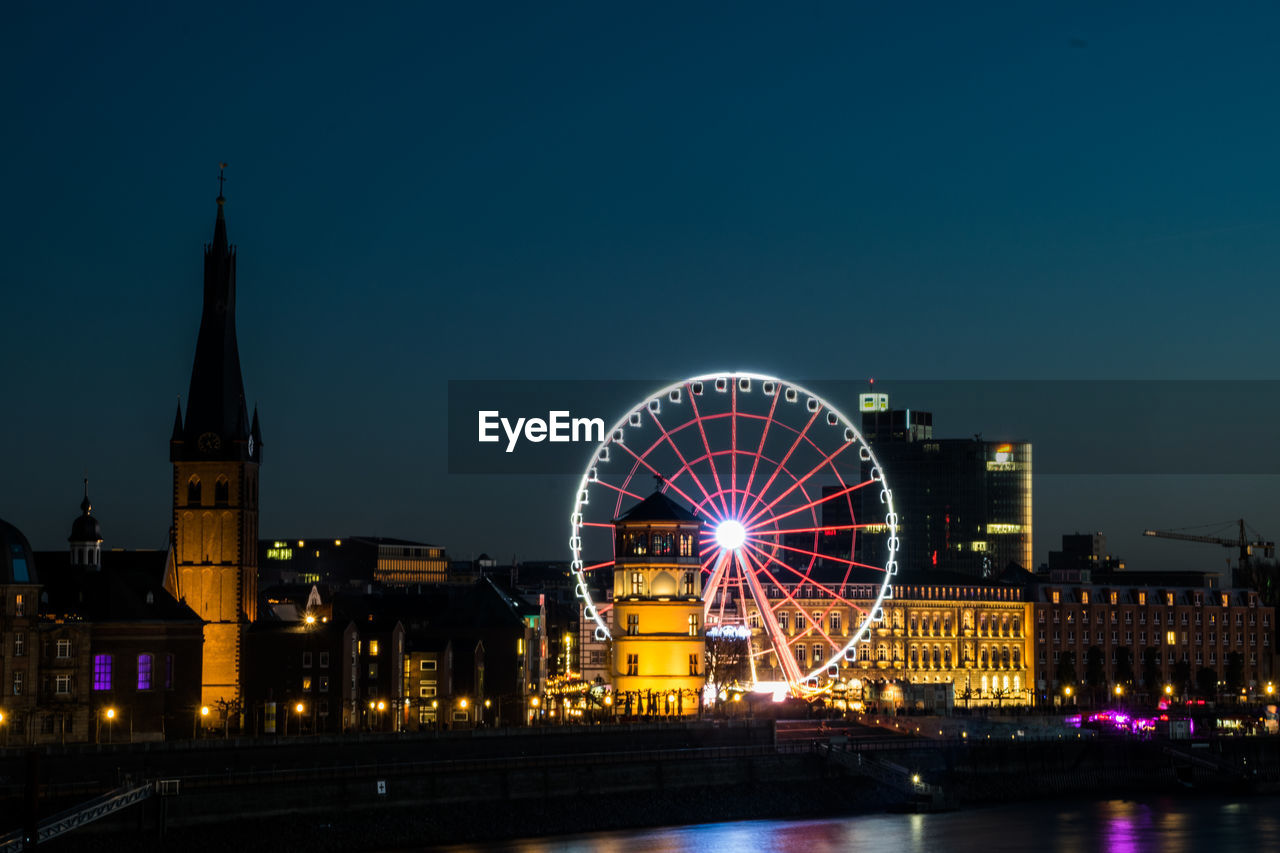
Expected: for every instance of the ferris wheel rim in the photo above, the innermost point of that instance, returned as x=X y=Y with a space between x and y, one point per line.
x=616 y=435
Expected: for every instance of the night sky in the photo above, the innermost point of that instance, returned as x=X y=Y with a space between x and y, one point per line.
x=566 y=191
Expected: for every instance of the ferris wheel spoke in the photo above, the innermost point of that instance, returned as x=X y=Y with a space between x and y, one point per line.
x=759 y=454
x=733 y=447
x=619 y=490
x=845 y=491
x=712 y=586
x=826 y=528
x=667 y=483
x=814 y=624
x=843 y=561
x=715 y=473
x=685 y=466
x=786 y=661
x=824 y=463
x=782 y=465
x=586 y=569
x=836 y=597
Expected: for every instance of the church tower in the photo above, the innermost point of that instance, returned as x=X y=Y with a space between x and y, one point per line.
x=86 y=536
x=658 y=637
x=216 y=450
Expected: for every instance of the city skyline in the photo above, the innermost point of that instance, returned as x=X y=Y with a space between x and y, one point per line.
x=455 y=197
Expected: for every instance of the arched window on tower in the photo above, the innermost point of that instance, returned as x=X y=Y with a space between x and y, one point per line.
x=193 y=490
x=221 y=490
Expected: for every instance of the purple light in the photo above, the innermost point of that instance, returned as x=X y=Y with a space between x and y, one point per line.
x=102 y=672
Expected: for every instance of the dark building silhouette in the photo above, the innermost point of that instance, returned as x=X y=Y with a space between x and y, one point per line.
x=963 y=504
x=112 y=656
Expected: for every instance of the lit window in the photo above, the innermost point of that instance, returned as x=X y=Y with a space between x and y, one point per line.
x=693 y=664
x=144 y=672
x=693 y=629
x=637 y=583
x=373 y=648
x=102 y=672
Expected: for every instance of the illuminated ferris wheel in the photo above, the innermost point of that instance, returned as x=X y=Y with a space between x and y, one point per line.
x=790 y=496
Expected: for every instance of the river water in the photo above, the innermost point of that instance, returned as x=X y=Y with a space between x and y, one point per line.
x=1168 y=825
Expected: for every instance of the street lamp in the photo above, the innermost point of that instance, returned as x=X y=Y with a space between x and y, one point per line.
x=110 y=714
x=201 y=711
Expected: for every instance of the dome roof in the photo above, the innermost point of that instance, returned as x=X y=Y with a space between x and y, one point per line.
x=85 y=528
x=17 y=563
x=658 y=507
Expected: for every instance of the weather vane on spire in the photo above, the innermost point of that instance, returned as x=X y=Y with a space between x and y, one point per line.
x=221 y=178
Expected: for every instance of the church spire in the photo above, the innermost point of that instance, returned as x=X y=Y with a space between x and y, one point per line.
x=216 y=425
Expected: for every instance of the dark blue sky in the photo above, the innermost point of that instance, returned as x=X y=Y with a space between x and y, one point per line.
x=511 y=190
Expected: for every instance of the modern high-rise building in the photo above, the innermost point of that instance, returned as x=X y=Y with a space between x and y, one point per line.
x=216 y=450
x=963 y=504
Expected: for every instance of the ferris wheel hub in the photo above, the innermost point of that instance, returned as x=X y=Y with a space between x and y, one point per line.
x=730 y=534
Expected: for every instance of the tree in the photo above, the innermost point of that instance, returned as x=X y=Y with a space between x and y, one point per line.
x=727 y=660
x=1151 y=671
x=1065 y=675
x=1095 y=674
x=1235 y=674
x=1181 y=677
x=1124 y=666
x=1207 y=682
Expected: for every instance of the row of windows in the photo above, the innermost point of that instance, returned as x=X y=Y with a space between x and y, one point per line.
x=637 y=583
x=103 y=666
x=662 y=544
x=633 y=664
x=324 y=658
x=1185 y=618
x=633 y=625
x=1170 y=598
x=1171 y=657
x=1171 y=638
x=221 y=490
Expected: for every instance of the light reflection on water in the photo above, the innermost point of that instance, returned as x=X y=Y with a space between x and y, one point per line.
x=1123 y=826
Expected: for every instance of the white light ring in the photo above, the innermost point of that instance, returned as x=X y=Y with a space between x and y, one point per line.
x=791 y=394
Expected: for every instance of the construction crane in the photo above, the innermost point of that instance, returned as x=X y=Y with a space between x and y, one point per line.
x=1252 y=572
x=1242 y=541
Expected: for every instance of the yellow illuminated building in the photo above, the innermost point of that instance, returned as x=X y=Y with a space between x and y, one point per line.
x=975 y=639
x=658 y=639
